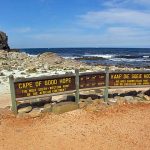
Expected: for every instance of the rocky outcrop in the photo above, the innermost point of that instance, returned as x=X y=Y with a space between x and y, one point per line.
x=46 y=61
x=4 y=41
x=51 y=58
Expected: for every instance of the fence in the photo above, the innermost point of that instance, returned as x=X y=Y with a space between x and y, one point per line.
x=37 y=87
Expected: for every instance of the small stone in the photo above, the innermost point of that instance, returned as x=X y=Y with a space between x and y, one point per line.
x=89 y=99
x=146 y=97
x=25 y=109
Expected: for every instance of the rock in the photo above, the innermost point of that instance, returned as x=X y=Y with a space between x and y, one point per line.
x=25 y=109
x=89 y=100
x=128 y=98
x=141 y=95
x=132 y=93
x=129 y=93
x=64 y=107
x=59 y=98
x=90 y=96
x=84 y=96
x=36 y=112
x=50 y=58
x=4 y=41
x=147 y=92
x=71 y=98
x=40 y=102
x=146 y=97
x=139 y=99
x=47 y=108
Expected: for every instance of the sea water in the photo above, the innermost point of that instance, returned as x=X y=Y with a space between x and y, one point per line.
x=131 y=57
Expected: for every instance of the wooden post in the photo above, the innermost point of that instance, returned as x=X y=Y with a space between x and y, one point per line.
x=13 y=97
x=106 y=84
x=77 y=86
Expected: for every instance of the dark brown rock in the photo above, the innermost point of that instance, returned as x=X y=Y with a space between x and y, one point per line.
x=3 y=41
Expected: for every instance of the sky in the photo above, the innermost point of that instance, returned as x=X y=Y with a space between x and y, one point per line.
x=76 y=23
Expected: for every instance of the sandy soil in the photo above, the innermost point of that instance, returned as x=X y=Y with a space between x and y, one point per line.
x=125 y=127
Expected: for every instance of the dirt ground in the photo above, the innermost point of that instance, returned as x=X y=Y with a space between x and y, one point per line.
x=125 y=127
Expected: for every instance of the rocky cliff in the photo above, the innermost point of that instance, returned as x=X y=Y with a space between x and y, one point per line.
x=4 y=41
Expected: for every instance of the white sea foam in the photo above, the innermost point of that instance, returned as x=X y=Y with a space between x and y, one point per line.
x=107 y=56
x=70 y=57
x=128 y=60
x=145 y=56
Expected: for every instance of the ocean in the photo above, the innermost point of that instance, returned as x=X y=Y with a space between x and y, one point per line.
x=129 y=57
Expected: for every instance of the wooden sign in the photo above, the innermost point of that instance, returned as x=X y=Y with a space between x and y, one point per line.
x=44 y=86
x=129 y=79
x=92 y=80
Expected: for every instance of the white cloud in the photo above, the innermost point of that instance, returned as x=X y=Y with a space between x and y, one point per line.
x=127 y=32
x=116 y=16
x=126 y=3
x=112 y=37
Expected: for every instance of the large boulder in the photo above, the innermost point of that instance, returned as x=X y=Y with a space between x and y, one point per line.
x=4 y=41
x=50 y=58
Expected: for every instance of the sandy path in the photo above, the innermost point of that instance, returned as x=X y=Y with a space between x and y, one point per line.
x=121 y=127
